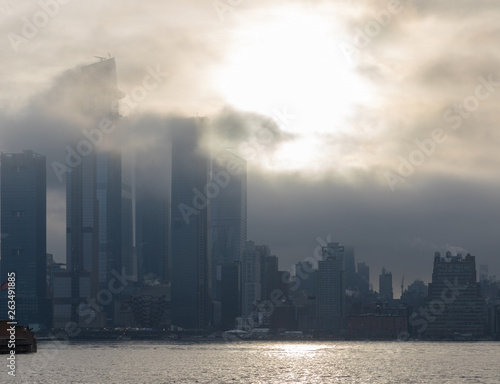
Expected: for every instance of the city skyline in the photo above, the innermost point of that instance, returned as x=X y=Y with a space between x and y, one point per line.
x=318 y=150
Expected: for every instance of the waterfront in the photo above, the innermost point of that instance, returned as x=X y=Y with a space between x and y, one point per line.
x=253 y=362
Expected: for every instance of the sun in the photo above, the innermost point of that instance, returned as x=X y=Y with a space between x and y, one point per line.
x=290 y=60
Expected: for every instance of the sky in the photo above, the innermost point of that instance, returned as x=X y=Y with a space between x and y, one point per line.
x=369 y=123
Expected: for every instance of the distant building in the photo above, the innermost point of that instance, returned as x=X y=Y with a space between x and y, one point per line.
x=385 y=285
x=229 y=230
x=251 y=277
x=23 y=240
x=230 y=284
x=350 y=268
x=270 y=276
x=414 y=295
x=363 y=278
x=456 y=308
x=306 y=277
x=377 y=326
x=98 y=203
x=152 y=212
x=52 y=269
x=190 y=227
x=330 y=296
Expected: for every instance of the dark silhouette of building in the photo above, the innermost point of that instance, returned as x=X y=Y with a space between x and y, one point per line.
x=385 y=285
x=377 y=326
x=455 y=306
x=414 y=295
x=306 y=277
x=190 y=227
x=229 y=227
x=363 y=278
x=230 y=286
x=330 y=296
x=98 y=200
x=251 y=276
x=152 y=208
x=24 y=232
x=350 y=268
x=270 y=276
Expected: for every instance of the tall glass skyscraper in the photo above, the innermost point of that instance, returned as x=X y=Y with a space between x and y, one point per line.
x=96 y=198
x=152 y=206
x=24 y=232
x=190 y=226
x=229 y=232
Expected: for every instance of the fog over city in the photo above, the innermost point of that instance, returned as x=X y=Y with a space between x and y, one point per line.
x=374 y=125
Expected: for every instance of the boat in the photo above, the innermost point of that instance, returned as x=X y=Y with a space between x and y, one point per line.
x=25 y=339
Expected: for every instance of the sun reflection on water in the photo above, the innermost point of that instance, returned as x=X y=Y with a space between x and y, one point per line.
x=298 y=350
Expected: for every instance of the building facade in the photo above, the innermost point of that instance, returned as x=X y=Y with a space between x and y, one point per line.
x=229 y=230
x=190 y=227
x=95 y=200
x=24 y=231
x=454 y=299
x=330 y=296
x=385 y=285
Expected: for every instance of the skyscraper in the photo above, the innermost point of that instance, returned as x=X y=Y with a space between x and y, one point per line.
x=95 y=196
x=228 y=215
x=24 y=231
x=350 y=268
x=152 y=205
x=330 y=296
x=190 y=226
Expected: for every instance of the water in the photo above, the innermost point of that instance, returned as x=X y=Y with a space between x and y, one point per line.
x=256 y=362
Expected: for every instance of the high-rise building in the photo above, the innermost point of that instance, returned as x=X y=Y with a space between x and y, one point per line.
x=350 y=268
x=190 y=226
x=230 y=294
x=23 y=240
x=306 y=277
x=152 y=207
x=229 y=208
x=385 y=285
x=330 y=296
x=228 y=224
x=152 y=233
x=97 y=199
x=269 y=272
x=251 y=277
x=363 y=278
x=454 y=299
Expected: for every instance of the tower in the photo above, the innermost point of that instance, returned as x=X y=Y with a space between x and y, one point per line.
x=229 y=232
x=330 y=296
x=24 y=231
x=385 y=285
x=95 y=198
x=190 y=226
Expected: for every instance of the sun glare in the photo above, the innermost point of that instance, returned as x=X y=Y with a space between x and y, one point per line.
x=297 y=350
x=291 y=61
